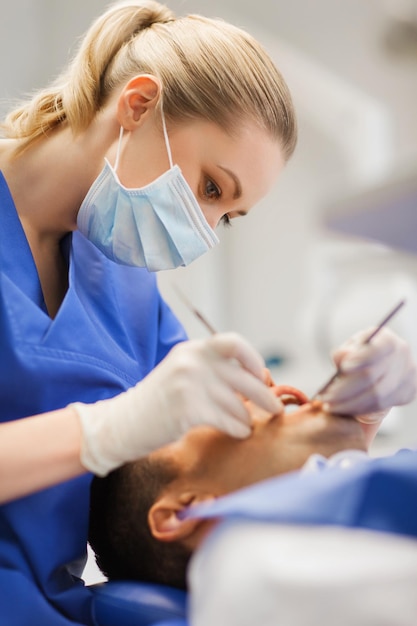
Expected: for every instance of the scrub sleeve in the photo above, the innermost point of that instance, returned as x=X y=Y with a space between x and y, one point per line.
x=111 y=330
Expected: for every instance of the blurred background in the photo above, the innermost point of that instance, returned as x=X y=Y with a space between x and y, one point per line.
x=334 y=246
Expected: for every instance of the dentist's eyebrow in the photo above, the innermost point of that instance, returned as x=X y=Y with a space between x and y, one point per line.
x=238 y=187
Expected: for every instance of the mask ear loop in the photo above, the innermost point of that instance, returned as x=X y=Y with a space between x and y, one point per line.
x=167 y=144
x=119 y=149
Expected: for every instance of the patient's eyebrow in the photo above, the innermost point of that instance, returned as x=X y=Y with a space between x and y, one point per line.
x=238 y=187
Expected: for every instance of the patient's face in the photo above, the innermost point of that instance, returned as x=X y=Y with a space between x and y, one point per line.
x=220 y=464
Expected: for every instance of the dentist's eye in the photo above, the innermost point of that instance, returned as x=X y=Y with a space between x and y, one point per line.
x=211 y=190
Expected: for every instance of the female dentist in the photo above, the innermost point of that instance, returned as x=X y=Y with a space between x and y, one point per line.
x=159 y=129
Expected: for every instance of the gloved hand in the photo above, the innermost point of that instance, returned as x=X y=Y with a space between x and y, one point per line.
x=374 y=377
x=197 y=383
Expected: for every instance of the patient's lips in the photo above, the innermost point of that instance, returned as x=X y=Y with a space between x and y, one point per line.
x=287 y=394
x=290 y=395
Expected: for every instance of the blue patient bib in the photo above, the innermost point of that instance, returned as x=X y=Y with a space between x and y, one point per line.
x=111 y=330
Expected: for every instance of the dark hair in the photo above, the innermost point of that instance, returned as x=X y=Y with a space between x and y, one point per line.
x=119 y=532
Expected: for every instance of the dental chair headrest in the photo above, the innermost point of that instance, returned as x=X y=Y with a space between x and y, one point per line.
x=130 y=603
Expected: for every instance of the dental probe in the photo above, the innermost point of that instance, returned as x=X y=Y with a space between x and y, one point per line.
x=195 y=311
x=368 y=339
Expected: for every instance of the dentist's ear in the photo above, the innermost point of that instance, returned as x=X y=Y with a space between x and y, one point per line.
x=139 y=95
x=164 y=520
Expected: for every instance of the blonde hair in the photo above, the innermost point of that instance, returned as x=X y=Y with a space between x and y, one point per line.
x=208 y=69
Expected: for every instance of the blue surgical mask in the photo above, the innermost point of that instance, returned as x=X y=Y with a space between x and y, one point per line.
x=159 y=226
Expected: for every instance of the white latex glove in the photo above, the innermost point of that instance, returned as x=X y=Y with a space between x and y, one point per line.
x=197 y=383
x=374 y=377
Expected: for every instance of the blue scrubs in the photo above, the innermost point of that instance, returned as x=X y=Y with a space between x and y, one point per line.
x=111 y=330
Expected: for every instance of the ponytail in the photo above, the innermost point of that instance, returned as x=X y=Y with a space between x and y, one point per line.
x=208 y=70
x=77 y=95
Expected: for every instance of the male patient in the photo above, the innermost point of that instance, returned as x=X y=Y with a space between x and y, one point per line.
x=136 y=531
x=250 y=572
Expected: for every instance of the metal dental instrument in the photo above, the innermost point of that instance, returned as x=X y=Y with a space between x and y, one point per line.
x=368 y=339
x=195 y=311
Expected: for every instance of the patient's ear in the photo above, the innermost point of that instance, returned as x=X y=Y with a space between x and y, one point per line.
x=164 y=521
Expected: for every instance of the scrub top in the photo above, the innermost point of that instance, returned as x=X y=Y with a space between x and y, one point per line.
x=112 y=328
